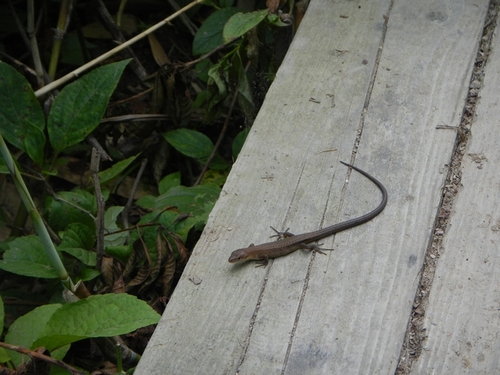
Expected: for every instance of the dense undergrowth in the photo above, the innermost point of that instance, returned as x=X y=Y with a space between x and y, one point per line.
x=111 y=161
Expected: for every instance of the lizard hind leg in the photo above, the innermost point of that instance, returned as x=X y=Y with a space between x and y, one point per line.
x=314 y=247
x=282 y=235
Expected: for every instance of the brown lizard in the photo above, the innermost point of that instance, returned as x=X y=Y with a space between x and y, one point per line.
x=284 y=246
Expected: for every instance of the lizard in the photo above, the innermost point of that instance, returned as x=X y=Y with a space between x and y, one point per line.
x=288 y=243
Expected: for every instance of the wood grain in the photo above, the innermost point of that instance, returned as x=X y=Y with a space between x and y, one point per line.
x=347 y=85
x=462 y=320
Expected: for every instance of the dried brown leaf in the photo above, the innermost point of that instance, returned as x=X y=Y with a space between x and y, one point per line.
x=107 y=271
x=179 y=103
x=159 y=53
x=167 y=277
x=272 y=5
x=145 y=270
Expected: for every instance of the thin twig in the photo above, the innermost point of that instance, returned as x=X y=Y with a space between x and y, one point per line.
x=59 y=199
x=205 y=56
x=128 y=206
x=75 y=73
x=136 y=117
x=222 y=133
x=35 y=53
x=19 y=26
x=95 y=143
x=114 y=30
x=99 y=221
x=185 y=19
x=42 y=357
x=19 y=63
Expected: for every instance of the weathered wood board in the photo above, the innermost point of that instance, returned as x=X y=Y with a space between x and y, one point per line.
x=463 y=317
x=346 y=78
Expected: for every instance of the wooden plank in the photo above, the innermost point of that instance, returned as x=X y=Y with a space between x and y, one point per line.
x=462 y=319
x=345 y=312
x=357 y=306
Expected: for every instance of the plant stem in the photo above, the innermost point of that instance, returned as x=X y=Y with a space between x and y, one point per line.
x=62 y=25
x=44 y=90
x=40 y=228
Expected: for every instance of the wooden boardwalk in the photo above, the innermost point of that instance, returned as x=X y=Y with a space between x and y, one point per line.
x=382 y=84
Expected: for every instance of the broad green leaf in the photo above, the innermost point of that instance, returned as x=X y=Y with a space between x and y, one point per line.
x=217 y=162
x=209 y=35
x=196 y=145
x=120 y=252
x=190 y=143
x=4 y=356
x=115 y=170
x=215 y=77
x=240 y=23
x=21 y=117
x=79 y=107
x=3 y=166
x=215 y=177
x=196 y=200
x=167 y=182
x=146 y=201
x=77 y=240
x=238 y=142
x=26 y=256
x=245 y=96
x=201 y=69
x=85 y=256
x=110 y=226
x=87 y=274
x=77 y=235
x=96 y=316
x=60 y=213
x=27 y=328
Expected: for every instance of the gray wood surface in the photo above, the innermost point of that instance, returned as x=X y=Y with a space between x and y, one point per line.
x=463 y=318
x=347 y=90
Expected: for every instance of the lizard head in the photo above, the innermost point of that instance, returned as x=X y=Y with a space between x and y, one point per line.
x=239 y=255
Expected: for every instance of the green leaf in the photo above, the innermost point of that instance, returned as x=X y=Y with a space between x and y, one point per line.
x=110 y=226
x=26 y=256
x=4 y=356
x=196 y=200
x=60 y=213
x=86 y=257
x=87 y=274
x=21 y=117
x=26 y=330
x=3 y=166
x=245 y=97
x=79 y=107
x=167 y=182
x=146 y=201
x=240 y=23
x=190 y=143
x=196 y=145
x=120 y=252
x=78 y=235
x=215 y=77
x=209 y=35
x=96 y=316
x=238 y=142
x=115 y=170
x=78 y=239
